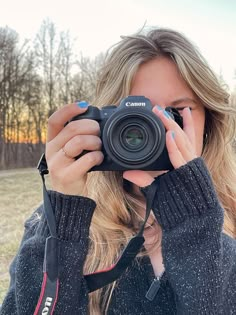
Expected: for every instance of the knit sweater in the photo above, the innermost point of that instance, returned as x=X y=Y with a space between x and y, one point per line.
x=199 y=259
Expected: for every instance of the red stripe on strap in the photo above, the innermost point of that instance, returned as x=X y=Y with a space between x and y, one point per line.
x=41 y=294
x=54 y=304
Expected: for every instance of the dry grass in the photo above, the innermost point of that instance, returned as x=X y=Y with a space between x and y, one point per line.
x=20 y=194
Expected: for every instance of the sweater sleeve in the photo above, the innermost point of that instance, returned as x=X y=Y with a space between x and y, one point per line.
x=73 y=216
x=199 y=259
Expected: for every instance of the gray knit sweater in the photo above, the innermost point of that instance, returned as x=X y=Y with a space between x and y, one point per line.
x=199 y=260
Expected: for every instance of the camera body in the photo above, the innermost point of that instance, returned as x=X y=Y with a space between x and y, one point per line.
x=133 y=137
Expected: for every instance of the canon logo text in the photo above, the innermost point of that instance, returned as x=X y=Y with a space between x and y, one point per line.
x=134 y=104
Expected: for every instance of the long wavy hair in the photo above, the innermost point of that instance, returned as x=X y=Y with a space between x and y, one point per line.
x=112 y=224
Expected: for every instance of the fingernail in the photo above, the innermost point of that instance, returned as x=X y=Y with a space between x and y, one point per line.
x=166 y=114
x=159 y=107
x=82 y=104
x=173 y=134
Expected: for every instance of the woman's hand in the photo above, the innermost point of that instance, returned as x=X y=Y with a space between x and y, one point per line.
x=180 y=143
x=68 y=175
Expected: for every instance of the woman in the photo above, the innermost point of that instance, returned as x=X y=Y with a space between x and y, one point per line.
x=188 y=262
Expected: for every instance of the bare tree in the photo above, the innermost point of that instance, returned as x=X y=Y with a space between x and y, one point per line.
x=35 y=79
x=64 y=67
x=46 y=54
x=12 y=77
x=85 y=80
x=36 y=114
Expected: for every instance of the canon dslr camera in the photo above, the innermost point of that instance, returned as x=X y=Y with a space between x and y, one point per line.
x=133 y=137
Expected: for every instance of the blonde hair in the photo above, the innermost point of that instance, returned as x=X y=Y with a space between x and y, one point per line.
x=111 y=226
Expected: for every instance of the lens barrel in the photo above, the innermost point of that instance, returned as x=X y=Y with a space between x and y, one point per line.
x=134 y=138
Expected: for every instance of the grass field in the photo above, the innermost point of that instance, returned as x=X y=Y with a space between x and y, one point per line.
x=20 y=194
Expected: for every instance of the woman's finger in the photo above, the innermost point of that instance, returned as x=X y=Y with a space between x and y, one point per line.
x=58 y=119
x=70 y=178
x=174 y=153
x=66 y=155
x=74 y=128
x=182 y=140
x=81 y=166
x=80 y=143
x=188 y=126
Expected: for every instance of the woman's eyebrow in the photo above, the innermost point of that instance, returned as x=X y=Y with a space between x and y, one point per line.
x=183 y=100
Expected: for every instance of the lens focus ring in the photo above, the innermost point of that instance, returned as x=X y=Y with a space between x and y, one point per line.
x=134 y=139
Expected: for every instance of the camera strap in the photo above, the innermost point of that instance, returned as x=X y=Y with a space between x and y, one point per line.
x=50 y=285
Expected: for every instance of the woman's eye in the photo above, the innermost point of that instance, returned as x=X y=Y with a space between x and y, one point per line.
x=182 y=108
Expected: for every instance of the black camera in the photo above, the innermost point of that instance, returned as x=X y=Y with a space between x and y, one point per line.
x=133 y=137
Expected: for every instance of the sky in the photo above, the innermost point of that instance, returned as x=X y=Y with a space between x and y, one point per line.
x=97 y=25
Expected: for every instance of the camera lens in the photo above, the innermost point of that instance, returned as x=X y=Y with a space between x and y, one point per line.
x=133 y=137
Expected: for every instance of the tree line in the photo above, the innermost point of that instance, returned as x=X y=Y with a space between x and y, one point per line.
x=36 y=77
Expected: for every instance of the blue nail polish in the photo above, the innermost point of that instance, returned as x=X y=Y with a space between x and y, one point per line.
x=166 y=114
x=173 y=134
x=159 y=107
x=82 y=104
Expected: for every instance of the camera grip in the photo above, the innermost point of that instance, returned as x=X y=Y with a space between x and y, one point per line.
x=91 y=113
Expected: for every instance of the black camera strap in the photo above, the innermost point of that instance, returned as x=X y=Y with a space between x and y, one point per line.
x=96 y=280
x=50 y=284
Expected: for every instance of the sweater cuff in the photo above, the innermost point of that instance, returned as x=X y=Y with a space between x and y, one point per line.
x=183 y=193
x=73 y=215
